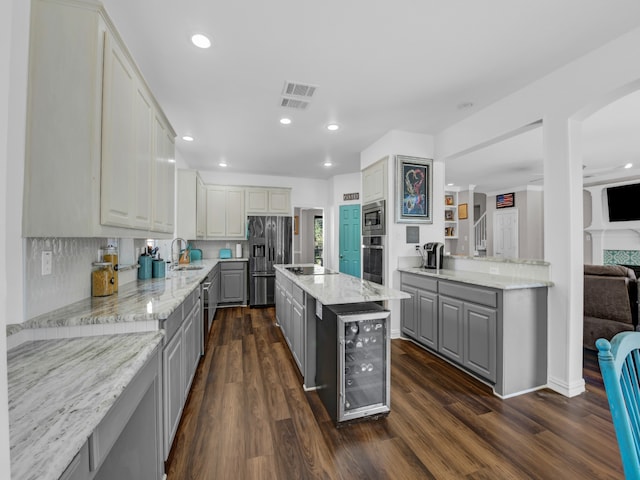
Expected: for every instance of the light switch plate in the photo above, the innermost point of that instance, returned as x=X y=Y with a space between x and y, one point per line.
x=46 y=262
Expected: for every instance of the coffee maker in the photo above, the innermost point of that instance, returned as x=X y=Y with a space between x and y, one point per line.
x=433 y=252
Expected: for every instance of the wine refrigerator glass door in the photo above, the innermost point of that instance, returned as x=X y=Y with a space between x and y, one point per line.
x=365 y=378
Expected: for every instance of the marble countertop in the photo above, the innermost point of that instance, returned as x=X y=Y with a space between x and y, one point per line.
x=55 y=404
x=517 y=261
x=340 y=288
x=503 y=282
x=153 y=299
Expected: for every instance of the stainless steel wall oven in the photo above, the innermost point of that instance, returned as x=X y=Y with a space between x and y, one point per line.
x=373 y=259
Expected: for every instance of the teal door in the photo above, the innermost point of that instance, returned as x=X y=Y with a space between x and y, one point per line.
x=350 y=240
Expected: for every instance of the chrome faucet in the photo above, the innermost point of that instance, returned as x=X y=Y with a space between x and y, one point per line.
x=175 y=260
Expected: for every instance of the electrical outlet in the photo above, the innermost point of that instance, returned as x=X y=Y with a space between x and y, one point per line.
x=46 y=262
x=494 y=270
x=417 y=248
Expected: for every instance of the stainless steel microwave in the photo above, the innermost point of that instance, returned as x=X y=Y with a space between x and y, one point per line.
x=373 y=219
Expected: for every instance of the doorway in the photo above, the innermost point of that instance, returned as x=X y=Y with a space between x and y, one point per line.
x=308 y=236
x=505 y=234
x=349 y=233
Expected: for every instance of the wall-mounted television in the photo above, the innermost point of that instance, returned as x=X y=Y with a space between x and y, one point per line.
x=623 y=203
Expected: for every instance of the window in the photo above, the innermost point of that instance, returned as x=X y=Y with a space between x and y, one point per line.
x=317 y=240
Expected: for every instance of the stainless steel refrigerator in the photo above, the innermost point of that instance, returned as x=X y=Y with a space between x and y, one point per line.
x=269 y=244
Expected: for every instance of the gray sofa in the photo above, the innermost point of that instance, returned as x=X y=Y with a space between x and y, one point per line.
x=610 y=302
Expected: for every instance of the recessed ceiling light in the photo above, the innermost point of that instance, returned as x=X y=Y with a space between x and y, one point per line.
x=200 y=40
x=333 y=127
x=187 y=138
x=327 y=163
x=223 y=164
x=172 y=160
x=450 y=184
x=628 y=165
x=285 y=121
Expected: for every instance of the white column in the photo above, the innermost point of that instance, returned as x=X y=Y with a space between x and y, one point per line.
x=563 y=220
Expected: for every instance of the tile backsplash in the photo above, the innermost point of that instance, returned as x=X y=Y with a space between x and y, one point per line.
x=624 y=257
x=70 y=278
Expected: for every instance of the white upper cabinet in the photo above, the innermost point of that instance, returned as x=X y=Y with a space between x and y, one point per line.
x=163 y=175
x=226 y=216
x=92 y=147
x=192 y=206
x=118 y=174
x=268 y=201
x=201 y=208
x=374 y=181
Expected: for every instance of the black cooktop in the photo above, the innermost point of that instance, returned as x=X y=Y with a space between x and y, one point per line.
x=311 y=270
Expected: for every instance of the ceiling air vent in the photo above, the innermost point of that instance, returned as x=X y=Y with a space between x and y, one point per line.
x=298 y=90
x=293 y=103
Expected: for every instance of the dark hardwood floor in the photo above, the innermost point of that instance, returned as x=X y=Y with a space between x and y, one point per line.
x=247 y=417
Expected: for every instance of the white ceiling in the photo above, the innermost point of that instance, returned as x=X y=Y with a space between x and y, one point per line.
x=379 y=65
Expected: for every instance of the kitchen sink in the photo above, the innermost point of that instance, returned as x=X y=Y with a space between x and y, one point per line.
x=188 y=267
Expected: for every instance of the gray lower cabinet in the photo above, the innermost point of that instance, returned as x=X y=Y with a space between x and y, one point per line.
x=233 y=282
x=291 y=315
x=180 y=357
x=409 y=312
x=450 y=335
x=428 y=318
x=420 y=312
x=214 y=294
x=499 y=335
x=480 y=335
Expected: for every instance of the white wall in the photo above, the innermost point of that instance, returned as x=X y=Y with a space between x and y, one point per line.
x=5 y=53
x=14 y=32
x=529 y=204
x=415 y=145
x=562 y=100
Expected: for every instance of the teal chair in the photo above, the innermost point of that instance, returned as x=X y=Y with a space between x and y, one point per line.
x=620 y=366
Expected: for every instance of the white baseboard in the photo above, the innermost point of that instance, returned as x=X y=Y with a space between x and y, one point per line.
x=566 y=389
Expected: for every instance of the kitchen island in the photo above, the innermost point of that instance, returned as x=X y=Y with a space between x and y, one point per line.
x=310 y=302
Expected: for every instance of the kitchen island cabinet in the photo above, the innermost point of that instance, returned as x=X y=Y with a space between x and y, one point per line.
x=99 y=146
x=496 y=333
x=297 y=324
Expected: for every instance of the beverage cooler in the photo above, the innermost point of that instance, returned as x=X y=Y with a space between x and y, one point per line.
x=353 y=359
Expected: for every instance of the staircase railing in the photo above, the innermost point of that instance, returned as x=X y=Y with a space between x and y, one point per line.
x=480 y=233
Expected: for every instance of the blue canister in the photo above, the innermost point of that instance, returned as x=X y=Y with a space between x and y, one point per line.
x=158 y=268
x=144 y=272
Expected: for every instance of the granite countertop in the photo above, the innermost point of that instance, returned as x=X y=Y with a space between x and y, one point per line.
x=59 y=392
x=340 y=288
x=153 y=299
x=518 y=261
x=503 y=282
